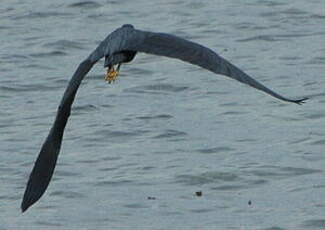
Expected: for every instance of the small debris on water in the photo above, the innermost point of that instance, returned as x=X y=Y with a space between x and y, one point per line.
x=249 y=202
x=198 y=193
x=151 y=198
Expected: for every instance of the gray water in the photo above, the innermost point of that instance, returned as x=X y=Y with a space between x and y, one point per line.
x=135 y=152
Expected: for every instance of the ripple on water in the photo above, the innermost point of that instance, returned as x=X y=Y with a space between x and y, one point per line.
x=242 y=184
x=277 y=172
x=120 y=133
x=265 y=38
x=170 y=133
x=112 y=182
x=64 y=45
x=314 y=224
x=317 y=16
x=158 y=117
x=37 y=15
x=316 y=61
x=29 y=87
x=234 y=113
x=115 y=136
x=46 y=223
x=201 y=210
x=48 y=54
x=136 y=205
x=275 y=37
x=157 y=89
x=220 y=149
x=37 y=66
x=140 y=71
x=231 y=181
x=85 y=4
x=207 y=178
x=83 y=108
x=319 y=142
x=293 y=11
x=15 y=58
x=273 y=228
x=67 y=194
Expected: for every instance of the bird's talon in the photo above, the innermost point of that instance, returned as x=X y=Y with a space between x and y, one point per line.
x=111 y=75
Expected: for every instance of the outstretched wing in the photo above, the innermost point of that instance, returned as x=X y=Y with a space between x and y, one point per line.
x=125 y=38
x=176 y=47
x=44 y=166
x=43 y=169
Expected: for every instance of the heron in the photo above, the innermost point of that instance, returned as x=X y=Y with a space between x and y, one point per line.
x=119 y=47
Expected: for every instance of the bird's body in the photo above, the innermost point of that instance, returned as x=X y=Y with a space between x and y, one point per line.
x=120 y=47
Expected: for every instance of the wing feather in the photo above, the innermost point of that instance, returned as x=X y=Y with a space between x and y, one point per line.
x=175 y=47
x=45 y=163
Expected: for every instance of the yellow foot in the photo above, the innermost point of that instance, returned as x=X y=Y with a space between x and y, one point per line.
x=111 y=75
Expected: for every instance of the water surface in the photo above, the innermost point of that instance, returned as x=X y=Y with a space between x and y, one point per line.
x=135 y=152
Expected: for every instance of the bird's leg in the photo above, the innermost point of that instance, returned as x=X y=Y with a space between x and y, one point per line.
x=112 y=74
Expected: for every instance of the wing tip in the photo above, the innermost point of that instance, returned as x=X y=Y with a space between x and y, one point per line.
x=29 y=198
x=26 y=203
x=24 y=207
x=300 y=101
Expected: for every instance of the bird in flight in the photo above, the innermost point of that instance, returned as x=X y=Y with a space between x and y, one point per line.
x=120 y=47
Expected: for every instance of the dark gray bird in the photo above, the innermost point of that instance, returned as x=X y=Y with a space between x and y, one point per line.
x=120 y=47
